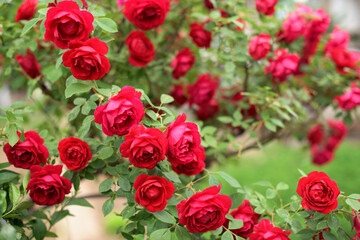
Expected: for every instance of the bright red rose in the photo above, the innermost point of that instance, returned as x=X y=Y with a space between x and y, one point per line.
x=344 y=59
x=178 y=93
x=200 y=36
x=203 y=90
x=321 y=156
x=144 y=147
x=316 y=134
x=265 y=230
x=245 y=213
x=27 y=153
x=205 y=211
x=27 y=10
x=319 y=23
x=318 y=192
x=338 y=39
x=357 y=236
x=122 y=112
x=338 y=129
x=208 y=110
x=282 y=65
x=349 y=99
x=87 y=59
x=46 y=186
x=259 y=46
x=29 y=64
x=65 y=23
x=266 y=7
x=146 y=14
x=152 y=192
x=182 y=63
x=140 y=48
x=74 y=153
x=293 y=26
x=192 y=167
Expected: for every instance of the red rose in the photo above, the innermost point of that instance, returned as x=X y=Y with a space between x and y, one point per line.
x=146 y=14
x=74 y=153
x=140 y=48
x=242 y=23
x=46 y=186
x=152 y=192
x=27 y=10
x=245 y=213
x=182 y=63
x=265 y=230
x=27 y=153
x=123 y=111
x=259 y=46
x=332 y=143
x=178 y=93
x=266 y=7
x=208 y=4
x=319 y=23
x=250 y=111
x=282 y=65
x=144 y=147
x=203 y=90
x=338 y=39
x=204 y=211
x=344 y=59
x=200 y=36
x=87 y=59
x=321 y=156
x=357 y=236
x=294 y=26
x=65 y=23
x=318 y=192
x=315 y=134
x=349 y=99
x=356 y=220
x=184 y=148
x=338 y=128
x=207 y=111
x=29 y=64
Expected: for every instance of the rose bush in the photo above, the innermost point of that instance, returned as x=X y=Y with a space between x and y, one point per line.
x=153 y=93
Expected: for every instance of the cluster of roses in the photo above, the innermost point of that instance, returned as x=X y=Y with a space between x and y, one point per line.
x=350 y=99
x=324 y=143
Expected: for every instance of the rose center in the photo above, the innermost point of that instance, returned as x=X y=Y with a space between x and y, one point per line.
x=68 y=28
x=153 y=192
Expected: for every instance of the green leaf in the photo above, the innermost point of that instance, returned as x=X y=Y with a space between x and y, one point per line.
x=236 y=224
x=106 y=185
x=108 y=206
x=107 y=24
x=302 y=173
x=3 y=202
x=232 y=181
x=225 y=119
x=172 y=177
x=51 y=235
x=270 y=193
x=76 y=88
x=57 y=216
x=213 y=181
x=161 y=234
x=29 y=25
x=7 y=232
x=182 y=233
x=164 y=99
x=354 y=196
x=124 y=183
x=306 y=234
x=39 y=230
x=282 y=186
x=106 y=152
x=270 y=126
x=7 y=176
x=14 y=194
x=79 y=101
x=129 y=211
x=329 y=236
x=227 y=236
x=333 y=222
x=229 y=67
x=4 y=165
x=354 y=204
x=80 y=202
x=282 y=213
x=73 y=113
x=151 y=114
x=12 y=135
x=26 y=180
x=165 y=217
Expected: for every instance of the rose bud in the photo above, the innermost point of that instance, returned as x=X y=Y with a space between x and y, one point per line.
x=259 y=46
x=74 y=153
x=140 y=48
x=200 y=36
x=266 y=7
x=29 y=64
x=266 y=230
x=27 y=10
x=182 y=63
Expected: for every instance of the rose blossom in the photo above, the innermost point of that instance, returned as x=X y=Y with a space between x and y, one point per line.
x=74 y=153
x=29 y=64
x=27 y=153
x=321 y=156
x=66 y=22
x=259 y=46
x=208 y=110
x=315 y=134
x=349 y=99
x=27 y=10
x=203 y=90
x=152 y=192
x=344 y=59
x=338 y=38
x=338 y=128
x=122 y=111
x=146 y=14
x=266 y=7
x=200 y=36
x=265 y=230
x=140 y=48
x=192 y=166
x=318 y=192
x=182 y=63
x=144 y=147
x=178 y=93
x=204 y=211
x=87 y=59
x=245 y=213
x=46 y=186
x=294 y=26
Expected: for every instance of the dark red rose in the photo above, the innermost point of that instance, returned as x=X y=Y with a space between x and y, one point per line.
x=144 y=147
x=140 y=48
x=178 y=93
x=208 y=4
x=203 y=90
x=46 y=186
x=200 y=36
x=320 y=236
x=146 y=14
x=87 y=59
x=245 y=213
x=282 y=65
x=265 y=230
x=152 y=192
x=318 y=192
x=338 y=39
x=332 y=143
x=27 y=153
x=205 y=211
x=182 y=63
x=259 y=46
x=29 y=64
x=356 y=219
x=207 y=111
x=184 y=148
x=315 y=134
x=349 y=99
x=123 y=111
x=74 y=153
x=344 y=59
x=321 y=156
x=266 y=7
x=65 y=23
x=27 y=10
